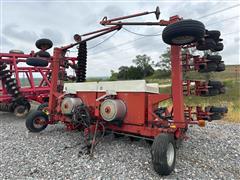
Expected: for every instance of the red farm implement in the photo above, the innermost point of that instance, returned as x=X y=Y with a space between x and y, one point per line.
x=132 y=108
x=21 y=83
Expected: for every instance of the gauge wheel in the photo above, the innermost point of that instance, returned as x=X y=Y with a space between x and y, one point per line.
x=21 y=110
x=163 y=153
x=214 y=34
x=43 y=54
x=219 y=47
x=16 y=51
x=213 y=91
x=36 y=121
x=36 y=61
x=221 y=67
x=44 y=44
x=216 y=58
x=183 y=32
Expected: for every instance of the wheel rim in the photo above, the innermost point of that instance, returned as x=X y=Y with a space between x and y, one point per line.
x=170 y=154
x=20 y=111
x=183 y=39
x=38 y=122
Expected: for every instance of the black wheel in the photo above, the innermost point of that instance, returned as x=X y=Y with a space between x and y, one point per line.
x=211 y=66
x=214 y=34
x=213 y=91
x=42 y=106
x=203 y=93
x=44 y=44
x=215 y=84
x=216 y=58
x=43 y=54
x=202 y=68
x=150 y=142
x=201 y=47
x=209 y=43
x=221 y=67
x=163 y=153
x=216 y=116
x=219 y=47
x=118 y=135
x=36 y=121
x=133 y=138
x=35 y=61
x=15 y=51
x=183 y=32
x=218 y=109
x=21 y=110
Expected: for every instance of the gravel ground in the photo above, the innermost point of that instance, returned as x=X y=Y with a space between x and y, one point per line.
x=209 y=153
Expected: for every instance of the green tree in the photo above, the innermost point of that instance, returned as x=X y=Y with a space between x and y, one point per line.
x=114 y=76
x=144 y=62
x=165 y=59
x=135 y=73
x=122 y=72
x=165 y=63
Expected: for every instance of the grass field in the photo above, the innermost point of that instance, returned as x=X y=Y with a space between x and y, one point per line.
x=231 y=98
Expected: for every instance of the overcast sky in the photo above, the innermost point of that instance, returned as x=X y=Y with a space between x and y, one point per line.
x=23 y=22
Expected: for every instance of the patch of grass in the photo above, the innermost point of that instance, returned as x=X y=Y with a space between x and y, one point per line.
x=159 y=81
x=231 y=99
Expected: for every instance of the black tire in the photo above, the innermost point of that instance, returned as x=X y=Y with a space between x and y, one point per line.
x=213 y=91
x=44 y=44
x=21 y=110
x=118 y=135
x=31 y=120
x=216 y=58
x=134 y=138
x=215 y=84
x=150 y=142
x=215 y=109
x=215 y=116
x=203 y=93
x=42 y=106
x=35 y=61
x=211 y=66
x=43 y=54
x=209 y=43
x=183 y=32
x=219 y=47
x=162 y=145
x=15 y=51
x=221 y=67
x=202 y=68
x=214 y=34
x=201 y=47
